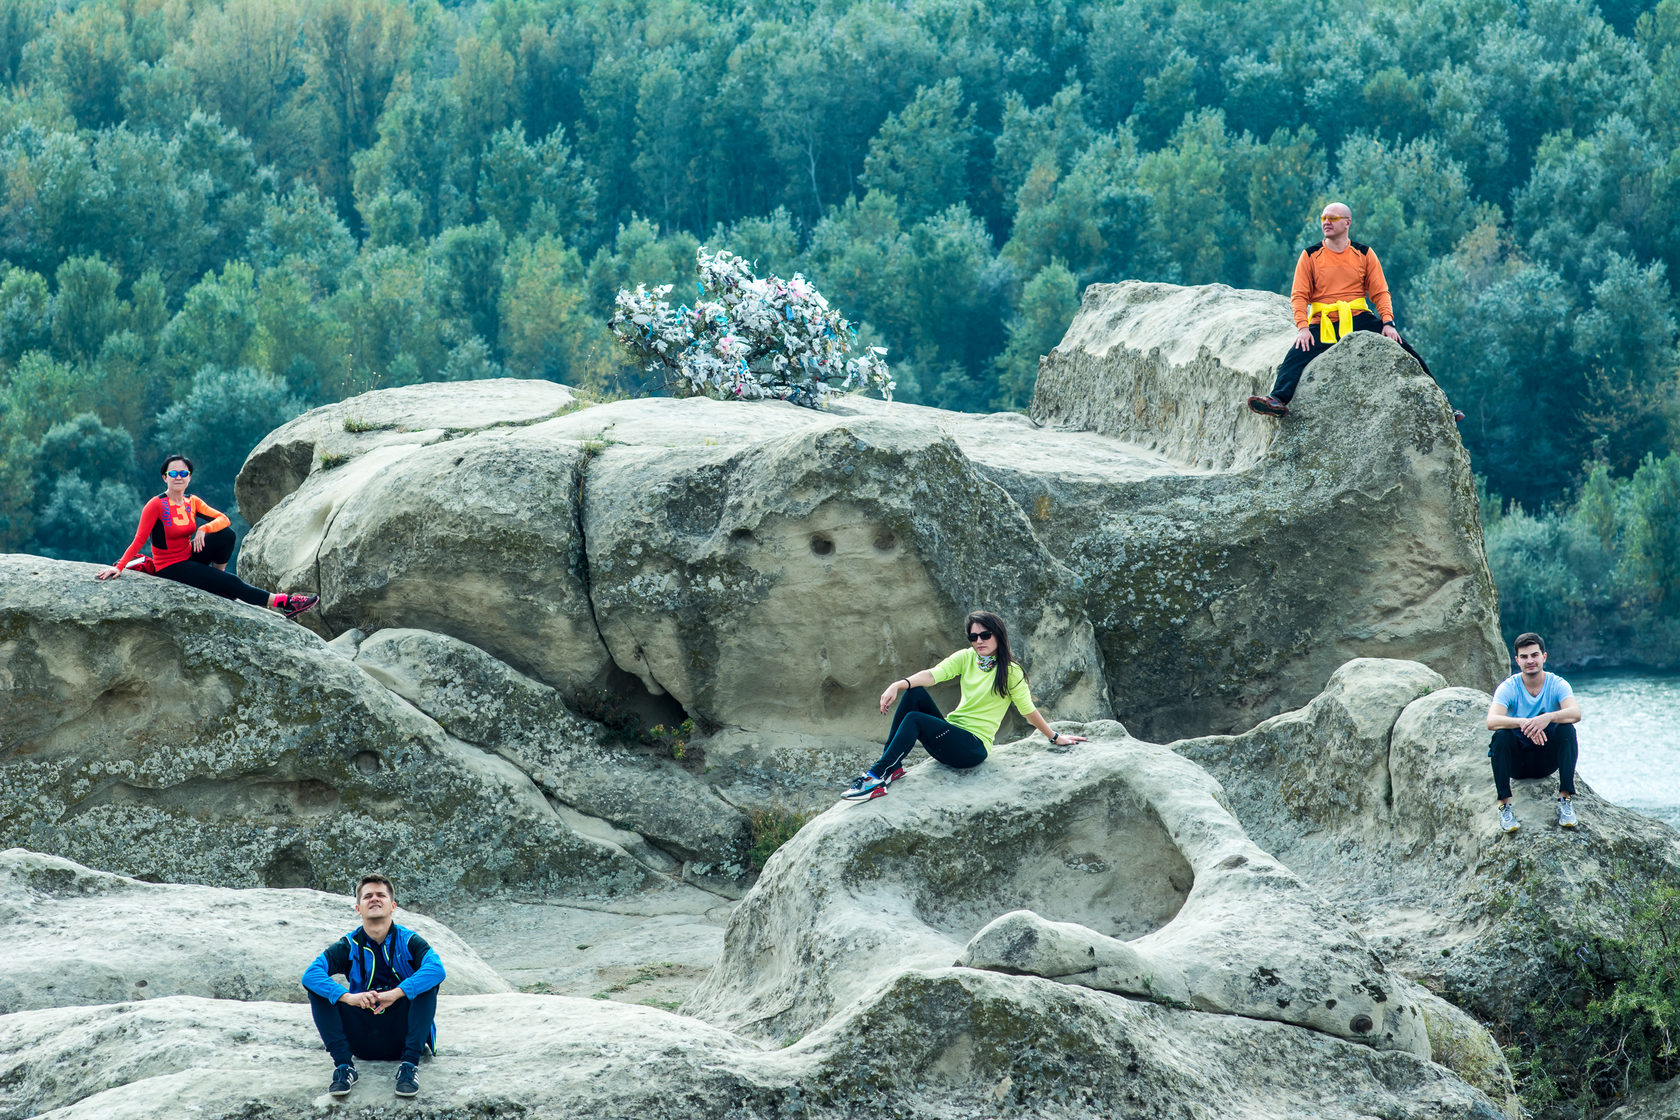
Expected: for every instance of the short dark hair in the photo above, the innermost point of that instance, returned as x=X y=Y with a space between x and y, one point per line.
x=375 y=877
x=172 y=457
x=1528 y=640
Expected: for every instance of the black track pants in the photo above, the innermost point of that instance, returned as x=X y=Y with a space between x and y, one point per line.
x=1515 y=756
x=1296 y=361
x=399 y=1033
x=918 y=717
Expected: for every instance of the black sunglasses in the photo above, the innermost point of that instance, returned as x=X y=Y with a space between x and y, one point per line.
x=979 y=635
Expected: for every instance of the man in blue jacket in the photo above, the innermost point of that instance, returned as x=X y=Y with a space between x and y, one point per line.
x=387 y=1012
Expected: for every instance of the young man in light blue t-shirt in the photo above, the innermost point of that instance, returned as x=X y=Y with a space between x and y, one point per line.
x=1533 y=717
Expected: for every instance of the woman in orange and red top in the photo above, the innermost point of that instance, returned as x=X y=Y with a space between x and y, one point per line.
x=170 y=522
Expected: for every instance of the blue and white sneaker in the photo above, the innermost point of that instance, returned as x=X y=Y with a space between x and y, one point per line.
x=343 y=1078
x=1566 y=813
x=1508 y=818
x=864 y=787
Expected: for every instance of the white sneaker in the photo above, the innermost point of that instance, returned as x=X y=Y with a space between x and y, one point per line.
x=1508 y=818
x=1566 y=813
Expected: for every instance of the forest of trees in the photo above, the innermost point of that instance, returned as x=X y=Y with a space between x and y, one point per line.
x=216 y=214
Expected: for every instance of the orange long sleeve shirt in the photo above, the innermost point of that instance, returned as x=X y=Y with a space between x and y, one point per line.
x=1325 y=276
x=179 y=523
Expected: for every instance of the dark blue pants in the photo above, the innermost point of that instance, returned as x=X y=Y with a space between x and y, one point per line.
x=1516 y=756
x=918 y=717
x=399 y=1034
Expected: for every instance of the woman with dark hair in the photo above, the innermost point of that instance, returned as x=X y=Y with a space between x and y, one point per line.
x=991 y=680
x=190 y=553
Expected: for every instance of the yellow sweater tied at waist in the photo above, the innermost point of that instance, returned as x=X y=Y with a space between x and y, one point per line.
x=1327 y=328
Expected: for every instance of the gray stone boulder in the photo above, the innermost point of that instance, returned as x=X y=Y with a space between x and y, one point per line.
x=70 y=935
x=768 y=567
x=1228 y=585
x=1112 y=865
x=161 y=732
x=410 y=416
x=1143 y=533
x=1379 y=794
x=481 y=701
x=963 y=1043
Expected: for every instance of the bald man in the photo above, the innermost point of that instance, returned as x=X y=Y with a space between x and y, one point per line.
x=1339 y=288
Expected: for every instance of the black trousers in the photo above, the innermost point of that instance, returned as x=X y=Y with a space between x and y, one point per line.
x=918 y=717
x=1296 y=361
x=1516 y=756
x=198 y=573
x=218 y=547
x=400 y=1033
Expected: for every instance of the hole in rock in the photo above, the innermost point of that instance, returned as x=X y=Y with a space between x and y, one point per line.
x=367 y=762
x=822 y=544
x=289 y=867
x=1101 y=859
x=623 y=704
x=742 y=536
x=885 y=541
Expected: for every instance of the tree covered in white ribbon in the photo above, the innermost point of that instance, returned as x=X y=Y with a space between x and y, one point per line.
x=747 y=338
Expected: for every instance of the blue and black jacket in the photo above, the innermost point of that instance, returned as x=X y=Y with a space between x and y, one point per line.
x=405 y=952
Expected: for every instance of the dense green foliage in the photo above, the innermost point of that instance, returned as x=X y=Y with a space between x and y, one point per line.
x=1609 y=1020
x=215 y=213
x=1599 y=578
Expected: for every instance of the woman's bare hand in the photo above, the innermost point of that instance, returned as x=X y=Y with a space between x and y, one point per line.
x=888 y=697
x=108 y=573
x=198 y=541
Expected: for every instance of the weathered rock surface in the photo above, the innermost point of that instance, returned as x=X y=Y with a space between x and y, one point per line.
x=1230 y=588
x=1109 y=866
x=1380 y=795
x=479 y=700
x=963 y=1043
x=410 y=416
x=1145 y=538
x=70 y=935
x=683 y=544
x=161 y=732
x=1659 y=1102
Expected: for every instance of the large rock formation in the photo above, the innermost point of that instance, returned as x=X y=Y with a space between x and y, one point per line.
x=1228 y=588
x=1379 y=794
x=70 y=935
x=771 y=568
x=164 y=733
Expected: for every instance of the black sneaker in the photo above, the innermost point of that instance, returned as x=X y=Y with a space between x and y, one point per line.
x=343 y=1078
x=1268 y=406
x=297 y=603
x=408 y=1080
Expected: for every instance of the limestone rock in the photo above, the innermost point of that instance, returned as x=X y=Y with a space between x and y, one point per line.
x=162 y=732
x=481 y=701
x=1228 y=587
x=1111 y=865
x=1380 y=795
x=963 y=1043
x=1659 y=1102
x=1144 y=533
x=768 y=566
x=410 y=416
x=70 y=935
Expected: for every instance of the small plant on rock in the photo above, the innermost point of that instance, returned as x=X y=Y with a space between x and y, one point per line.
x=747 y=338
x=771 y=828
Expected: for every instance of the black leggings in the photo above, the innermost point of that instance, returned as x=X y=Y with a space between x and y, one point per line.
x=1295 y=362
x=218 y=547
x=918 y=717
x=1516 y=756
x=199 y=574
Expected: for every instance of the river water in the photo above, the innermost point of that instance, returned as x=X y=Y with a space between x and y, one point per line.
x=1630 y=739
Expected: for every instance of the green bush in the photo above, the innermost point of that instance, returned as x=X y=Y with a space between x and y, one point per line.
x=771 y=828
